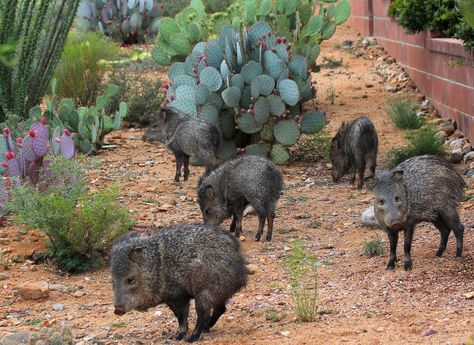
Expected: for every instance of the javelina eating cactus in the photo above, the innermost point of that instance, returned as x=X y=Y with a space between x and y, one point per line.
x=354 y=145
x=230 y=188
x=421 y=189
x=185 y=136
x=173 y=266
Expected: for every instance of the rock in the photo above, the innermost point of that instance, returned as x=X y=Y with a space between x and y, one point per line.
x=456 y=156
x=63 y=288
x=34 y=290
x=368 y=216
x=466 y=148
x=102 y=334
x=18 y=258
x=427 y=332
x=79 y=293
x=15 y=338
x=58 y=307
x=390 y=88
x=347 y=44
x=448 y=127
x=323 y=310
x=252 y=268
x=456 y=144
x=469 y=157
x=369 y=41
x=470 y=173
x=285 y=333
x=469 y=295
x=441 y=136
x=3 y=276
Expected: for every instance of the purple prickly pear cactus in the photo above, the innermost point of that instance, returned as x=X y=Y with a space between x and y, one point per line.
x=55 y=140
x=3 y=198
x=66 y=145
x=28 y=152
x=8 y=136
x=39 y=138
x=12 y=164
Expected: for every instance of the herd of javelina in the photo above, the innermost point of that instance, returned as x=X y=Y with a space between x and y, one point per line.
x=204 y=262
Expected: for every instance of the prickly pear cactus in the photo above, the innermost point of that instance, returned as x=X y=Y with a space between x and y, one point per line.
x=251 y=87
x=303 y=22
x=127 y=21
x=178 y=35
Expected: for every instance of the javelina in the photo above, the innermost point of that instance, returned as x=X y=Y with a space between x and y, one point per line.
x=174 y=266
x=185 y=136
x=230 y=188
x=421 y=189
x=354 y=146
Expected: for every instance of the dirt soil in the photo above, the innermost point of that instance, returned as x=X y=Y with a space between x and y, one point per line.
x=364 y=303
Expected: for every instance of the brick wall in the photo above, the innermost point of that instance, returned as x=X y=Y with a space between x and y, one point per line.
x=425 y=58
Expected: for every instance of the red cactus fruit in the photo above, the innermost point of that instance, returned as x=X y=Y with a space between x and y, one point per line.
x=195 y=69
x=279 y=40
x=5 y=164
x=173 y=159
x=9 y=155
x=57 y=139
x=6 y=131
x=43 y=120
x=66 y=131
x=32 y=133
x=166 y=86
x=19 y=141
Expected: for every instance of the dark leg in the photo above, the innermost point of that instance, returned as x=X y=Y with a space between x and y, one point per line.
x=216 y=314
x=186 y=167
x=393 y=239
x=444 y=232
x=179 y=162
x=238 y=216
x=361 y=170
x=373 y=163
x=181 y=311
x=232 y=225
x=270 y=219
x=353 y=174
x=453 y=222
x=261 y=224
x=203 y=315
x=408 y=238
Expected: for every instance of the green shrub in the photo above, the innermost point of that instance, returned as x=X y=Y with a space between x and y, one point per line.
x=373 y=248
x=80 y=72
x=403 y=112
x=80 y=224
x=466 y=33
x=143 y=95
x=302 y=270
x=422 y=142
x=39 y=29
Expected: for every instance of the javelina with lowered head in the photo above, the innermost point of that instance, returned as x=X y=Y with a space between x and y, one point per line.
x=354 y=146
x=173 y=266
x=421 y=189
x=230 y=188
x=185 y=136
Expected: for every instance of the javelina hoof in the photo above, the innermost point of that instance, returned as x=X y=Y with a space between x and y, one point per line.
x=176 y=178
x=391 y=265
x=192 y=338
x=180 y=336
x=407 y=265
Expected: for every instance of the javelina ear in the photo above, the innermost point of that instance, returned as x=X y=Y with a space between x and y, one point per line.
x=370 y=182
x=397 y=176
x=136 y=254
x=209 y=192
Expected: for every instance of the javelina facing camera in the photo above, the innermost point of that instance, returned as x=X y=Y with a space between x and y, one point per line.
x=173 y=266
x=354 y=146
x=421 y=189
x=185 y=136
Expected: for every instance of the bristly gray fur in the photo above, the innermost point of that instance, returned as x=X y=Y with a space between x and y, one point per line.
x=421 y=189
x=250 y=179
x=185 y=136
x=354 y=146
x=175 y=265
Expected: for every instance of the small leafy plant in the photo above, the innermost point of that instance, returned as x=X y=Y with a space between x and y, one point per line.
x=422 y=142
x=373 y=247
x=302 y=270
x=80 y=224
x=81 y=69
x=403 y=112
